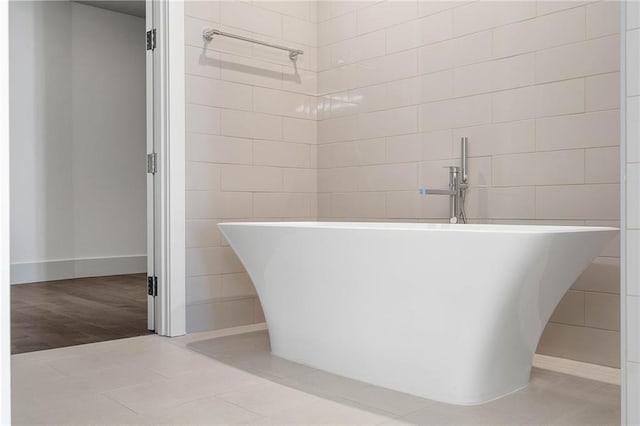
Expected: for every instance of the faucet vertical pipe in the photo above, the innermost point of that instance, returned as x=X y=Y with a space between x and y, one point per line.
x=454 y=198
x=463 y=156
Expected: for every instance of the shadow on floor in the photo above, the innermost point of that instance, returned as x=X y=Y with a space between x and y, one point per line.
x=550 y=398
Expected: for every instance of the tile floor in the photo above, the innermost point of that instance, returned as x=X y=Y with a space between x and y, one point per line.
x=235 y=380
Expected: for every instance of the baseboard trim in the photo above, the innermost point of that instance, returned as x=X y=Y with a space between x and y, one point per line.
x=31 y=272
x=585 y=370
x=213 y=334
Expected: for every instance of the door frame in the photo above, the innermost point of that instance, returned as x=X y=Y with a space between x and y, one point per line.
x=151 y=181
x=169 y=141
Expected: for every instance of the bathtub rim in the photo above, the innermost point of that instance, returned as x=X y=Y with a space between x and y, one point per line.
x=425 y=227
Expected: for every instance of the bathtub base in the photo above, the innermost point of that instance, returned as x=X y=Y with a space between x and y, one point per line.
x=401 y=378
x=477 y=400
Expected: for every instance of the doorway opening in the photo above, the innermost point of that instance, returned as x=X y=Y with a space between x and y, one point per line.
x=82 y=216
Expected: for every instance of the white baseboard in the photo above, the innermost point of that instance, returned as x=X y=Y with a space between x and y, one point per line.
x=232 y=331
x=585 y=370
x=22 y=273
x=213 y=334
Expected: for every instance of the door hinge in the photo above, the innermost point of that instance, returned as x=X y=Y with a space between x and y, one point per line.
x=152 y=286
x=151 y=39
x=152 y=164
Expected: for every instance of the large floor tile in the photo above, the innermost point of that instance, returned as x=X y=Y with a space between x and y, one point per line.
x=207 y=411
x=325 y=412
x=77 y=410
x=323 y=383
x=235 y=380
x=269 y=399
x=596 y=414
x=390 y=401
x=250 y=353
x=444 y=414
x=26 y=371
x=172 y=361
x=86 y=362
x=108 y=379
x=266 y=364
x=40 y=395
x=147 y=398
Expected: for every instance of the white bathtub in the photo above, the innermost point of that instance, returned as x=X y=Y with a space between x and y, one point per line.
x=447 y=312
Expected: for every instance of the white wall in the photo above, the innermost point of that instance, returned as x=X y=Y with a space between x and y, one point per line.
x=5 y=328
x=250 y=143
x=41 y=172
x=631 y=242
x=108 y=132
x=78 y=141
x=533 y=84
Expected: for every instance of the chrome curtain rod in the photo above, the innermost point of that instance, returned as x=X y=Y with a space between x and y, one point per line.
x=208 y=34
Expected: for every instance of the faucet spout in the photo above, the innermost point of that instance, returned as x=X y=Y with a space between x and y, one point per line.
x=426 y=191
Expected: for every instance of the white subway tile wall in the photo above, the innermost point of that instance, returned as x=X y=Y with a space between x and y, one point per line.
x=375 y=109
x=251 y=142
x=632 y=232
x=535 y=87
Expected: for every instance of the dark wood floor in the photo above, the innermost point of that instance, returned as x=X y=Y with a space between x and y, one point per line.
x=61 y=313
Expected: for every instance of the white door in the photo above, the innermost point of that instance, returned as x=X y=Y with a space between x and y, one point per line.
x=151 y=177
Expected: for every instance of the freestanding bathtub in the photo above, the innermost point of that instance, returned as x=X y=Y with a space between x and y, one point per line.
x=451 y=313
